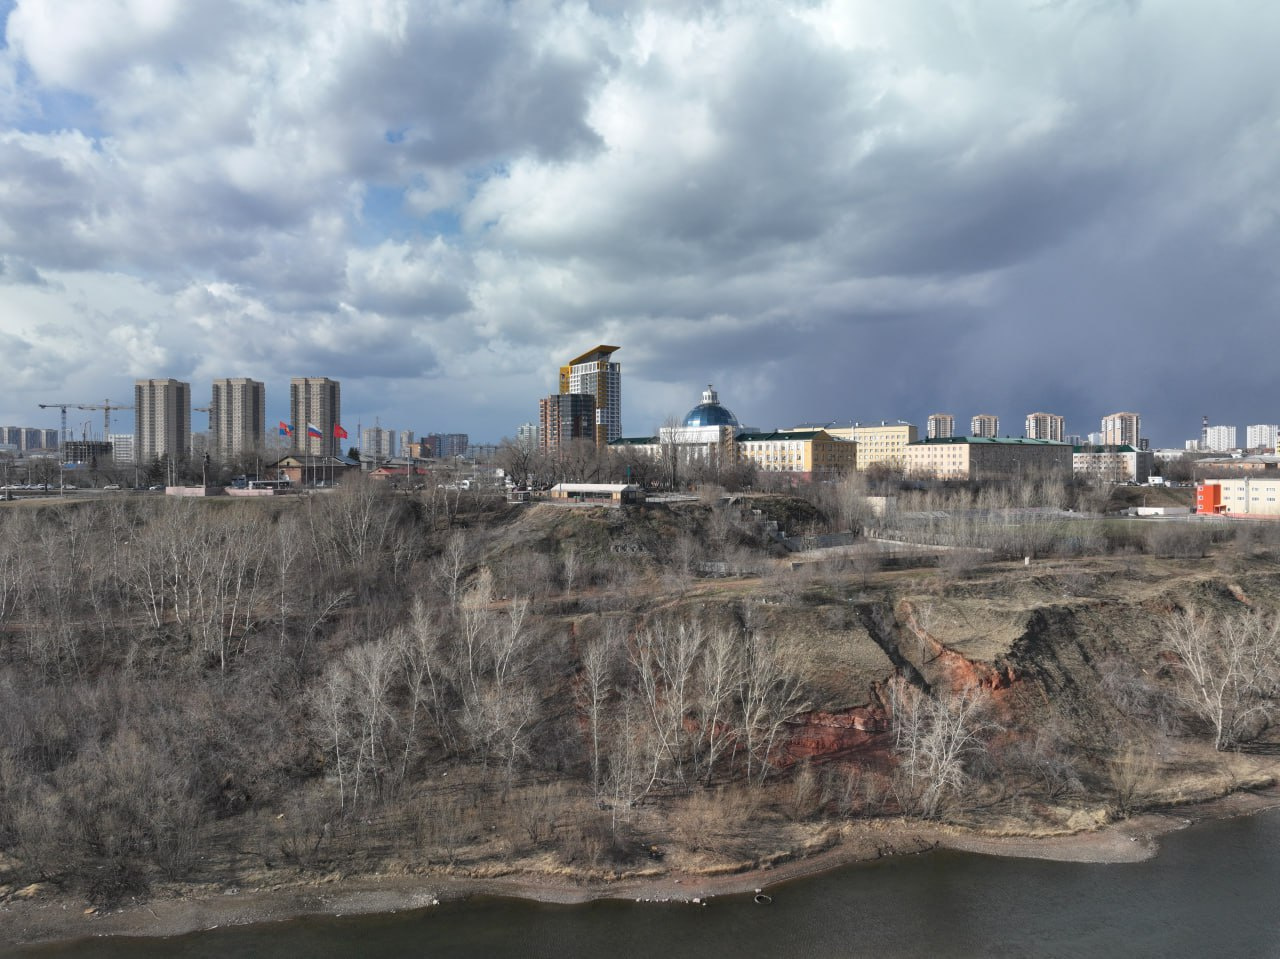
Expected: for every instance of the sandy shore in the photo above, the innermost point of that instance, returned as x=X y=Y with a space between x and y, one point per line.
x=60 y=918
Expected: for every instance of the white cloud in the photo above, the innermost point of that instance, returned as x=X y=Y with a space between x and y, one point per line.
x=442 y=198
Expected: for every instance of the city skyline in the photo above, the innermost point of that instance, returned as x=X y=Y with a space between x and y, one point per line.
x=994 y=423
x=816 y=206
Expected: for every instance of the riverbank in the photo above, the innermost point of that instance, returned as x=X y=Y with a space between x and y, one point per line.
x=44 y=920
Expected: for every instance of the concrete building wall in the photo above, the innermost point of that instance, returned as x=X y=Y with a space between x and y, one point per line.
x=1220 y=438
x=315 y=401
x=162 y=419
x=985 y=459
x=1045 y=426
x=883 y=445
x=1125 y=465
x=1121 y=429
x=985 y=425
x=940 y=426
x=1245 y=496
x=1261 y=436
x=237 y=416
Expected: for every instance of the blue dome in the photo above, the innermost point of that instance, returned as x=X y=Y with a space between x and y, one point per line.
x=710 y=413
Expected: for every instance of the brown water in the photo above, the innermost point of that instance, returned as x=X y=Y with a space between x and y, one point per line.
x=1211 y=892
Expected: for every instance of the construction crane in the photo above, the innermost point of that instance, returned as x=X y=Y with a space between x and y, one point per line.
x=62 y=432
x=106 y=407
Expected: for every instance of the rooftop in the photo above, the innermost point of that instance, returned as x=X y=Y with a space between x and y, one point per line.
x=784 y=435
x=595 y=353
x=710 y=413
x=987 y=440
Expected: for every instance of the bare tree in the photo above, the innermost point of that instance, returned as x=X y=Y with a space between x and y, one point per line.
x=721 y=680
x=451 y=565
x=354 y=716
x=665 y=659
x=600 y=655
x=936 y=737
x=769 y=696
x=1229 y=670
x=571 y=563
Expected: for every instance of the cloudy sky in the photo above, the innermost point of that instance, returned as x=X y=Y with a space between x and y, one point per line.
x=830 y=210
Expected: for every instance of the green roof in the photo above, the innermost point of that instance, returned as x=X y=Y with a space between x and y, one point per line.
x=988 y=440
x=779 y=435
x=634 y=441
x=1126 y=448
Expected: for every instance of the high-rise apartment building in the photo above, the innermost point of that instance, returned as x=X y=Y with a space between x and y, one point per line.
x=1220 y=438
x=376 y=443
x=405 y=441
x=1121 y=429
x=594 y=374
x=447 y=445
x=984 y=424
x=315 y=408
x=1261 y=437
x=1045 y=426
x=122 y=448
x=566 y=417
x=237 y=416
x=527 y=436
x=162 y=419
x=940 y=426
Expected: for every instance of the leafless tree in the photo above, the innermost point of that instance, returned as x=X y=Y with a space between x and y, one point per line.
x=720 y=681
x=600 y=657
x=936 y=737
x=354 y=716
x=769 y=696
x=1229 y=670
x=665 y=659
x=451 y=565
x=571 y=563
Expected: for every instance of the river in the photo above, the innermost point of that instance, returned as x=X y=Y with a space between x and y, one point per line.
x=1210 y=892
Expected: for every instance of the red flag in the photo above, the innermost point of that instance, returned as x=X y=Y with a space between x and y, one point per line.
x=338 y=432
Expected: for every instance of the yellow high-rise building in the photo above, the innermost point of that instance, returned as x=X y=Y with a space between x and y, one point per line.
x=595 y=374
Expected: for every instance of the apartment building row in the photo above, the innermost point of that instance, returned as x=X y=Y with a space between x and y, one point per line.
x=237 y=417
x=1259 y=437
x=27 y=439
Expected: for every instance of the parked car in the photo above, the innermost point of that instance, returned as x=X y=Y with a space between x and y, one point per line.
x=112 y=486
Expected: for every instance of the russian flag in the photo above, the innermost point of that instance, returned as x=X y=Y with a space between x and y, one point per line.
x=286 y=429
x=313 y=432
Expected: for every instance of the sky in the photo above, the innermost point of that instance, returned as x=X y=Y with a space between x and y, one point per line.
x=832 y=211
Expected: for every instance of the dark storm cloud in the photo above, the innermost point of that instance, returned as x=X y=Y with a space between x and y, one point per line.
x=850 y=210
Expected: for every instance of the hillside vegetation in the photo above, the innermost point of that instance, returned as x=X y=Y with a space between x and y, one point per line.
x=199 y=693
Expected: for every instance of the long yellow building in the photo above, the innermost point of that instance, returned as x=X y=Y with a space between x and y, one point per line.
x=812 y=452
x=885 y=444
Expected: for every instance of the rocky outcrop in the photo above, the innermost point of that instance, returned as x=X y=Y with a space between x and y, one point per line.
x=831 y=735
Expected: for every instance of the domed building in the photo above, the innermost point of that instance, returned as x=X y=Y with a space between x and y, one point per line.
x=710 y=413
x=710 y=439
x=703 y=440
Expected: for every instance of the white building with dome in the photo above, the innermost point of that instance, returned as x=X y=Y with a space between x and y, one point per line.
x=706 y=436
x=708 y=425
x=711 y=437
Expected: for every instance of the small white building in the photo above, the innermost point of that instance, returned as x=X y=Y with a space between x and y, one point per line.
x=615 y=494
